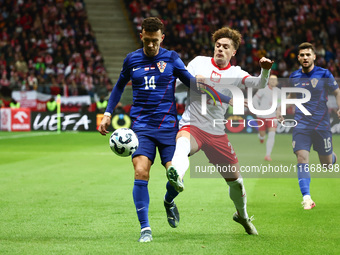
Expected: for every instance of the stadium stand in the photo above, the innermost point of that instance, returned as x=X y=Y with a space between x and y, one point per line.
x=269 y=28
x=50 y=46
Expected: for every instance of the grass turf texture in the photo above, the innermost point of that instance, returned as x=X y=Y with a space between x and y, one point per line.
x=69 y=194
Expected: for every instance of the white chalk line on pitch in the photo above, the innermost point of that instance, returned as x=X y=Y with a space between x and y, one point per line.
x=30 y=134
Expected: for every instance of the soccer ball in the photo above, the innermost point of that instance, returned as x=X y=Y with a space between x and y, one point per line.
x=123 y=142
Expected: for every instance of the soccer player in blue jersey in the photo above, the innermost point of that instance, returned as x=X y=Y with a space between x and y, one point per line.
x=315 y=129
x=153 y=71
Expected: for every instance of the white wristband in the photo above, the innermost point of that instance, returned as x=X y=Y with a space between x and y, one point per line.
x=107 y=114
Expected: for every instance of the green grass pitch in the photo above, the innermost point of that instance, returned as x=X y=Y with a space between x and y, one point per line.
x=69 y=194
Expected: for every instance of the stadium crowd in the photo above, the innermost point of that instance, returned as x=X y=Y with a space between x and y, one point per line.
x=49 y=46
x=269 y=28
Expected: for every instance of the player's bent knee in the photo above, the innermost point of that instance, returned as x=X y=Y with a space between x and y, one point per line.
x=141 y=175
x=302 y=156
x=183 y=133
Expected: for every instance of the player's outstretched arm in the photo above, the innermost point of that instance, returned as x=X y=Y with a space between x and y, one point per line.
x=262 y=80
x=105 y=123
x=203 y=87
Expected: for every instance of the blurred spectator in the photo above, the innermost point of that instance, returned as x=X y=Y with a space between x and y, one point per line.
x=101 y=104
x=21 y=65
x=14 y=104
x=4 y=82
x=15 y=82
x=51 y=105
x=101 y=90
x=55 y=88
x=73 y=90
x=32 y=81
x=26 y=21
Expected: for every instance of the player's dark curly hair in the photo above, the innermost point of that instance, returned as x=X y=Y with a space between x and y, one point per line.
x=306 y=45
x=152 y=24
x=227 y=32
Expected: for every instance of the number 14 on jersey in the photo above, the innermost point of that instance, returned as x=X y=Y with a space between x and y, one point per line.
x=150 y=83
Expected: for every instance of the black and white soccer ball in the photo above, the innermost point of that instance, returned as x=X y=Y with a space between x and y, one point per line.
x=124 y=142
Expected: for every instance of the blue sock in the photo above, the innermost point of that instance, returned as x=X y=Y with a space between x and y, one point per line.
x=141 y=199
x=304 y=178
x=171 y=193
x=333 y=159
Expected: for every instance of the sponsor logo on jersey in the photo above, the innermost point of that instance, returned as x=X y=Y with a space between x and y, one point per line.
x=161 y=66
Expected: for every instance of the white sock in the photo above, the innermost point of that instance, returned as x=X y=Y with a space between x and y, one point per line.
x=270 y=142
x=261 y=137
x=237 y=193
x=147 y=228
x=180 y=160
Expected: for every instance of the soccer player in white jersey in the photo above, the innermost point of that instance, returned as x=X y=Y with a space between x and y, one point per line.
x=263 y=100
x=197 y=131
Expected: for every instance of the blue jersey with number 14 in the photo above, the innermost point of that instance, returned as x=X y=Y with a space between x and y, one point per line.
x=153 y=83
x=318 y=81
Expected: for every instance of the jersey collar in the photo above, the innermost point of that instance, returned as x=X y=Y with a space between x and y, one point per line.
x=214 y=64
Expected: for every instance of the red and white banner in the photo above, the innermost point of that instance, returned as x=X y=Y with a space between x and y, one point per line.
x=31 y=99
x=36 y=101
x=13 y=119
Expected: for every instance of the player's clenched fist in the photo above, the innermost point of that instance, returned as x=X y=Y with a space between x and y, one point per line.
x=266 y=63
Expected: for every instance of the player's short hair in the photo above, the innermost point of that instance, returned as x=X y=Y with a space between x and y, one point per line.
x=152 y=24
x=306 y=45
x=227 y=32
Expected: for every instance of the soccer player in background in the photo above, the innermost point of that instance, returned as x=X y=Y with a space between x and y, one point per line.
x=197 y=131
x=153 y=71
x=315 y=129
x=262 y=100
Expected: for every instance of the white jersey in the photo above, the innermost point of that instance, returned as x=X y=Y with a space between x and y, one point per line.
x=263 y=100
x=216 y=78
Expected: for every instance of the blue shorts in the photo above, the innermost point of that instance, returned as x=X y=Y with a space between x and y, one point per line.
x=321 y=140
x=164 y=139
